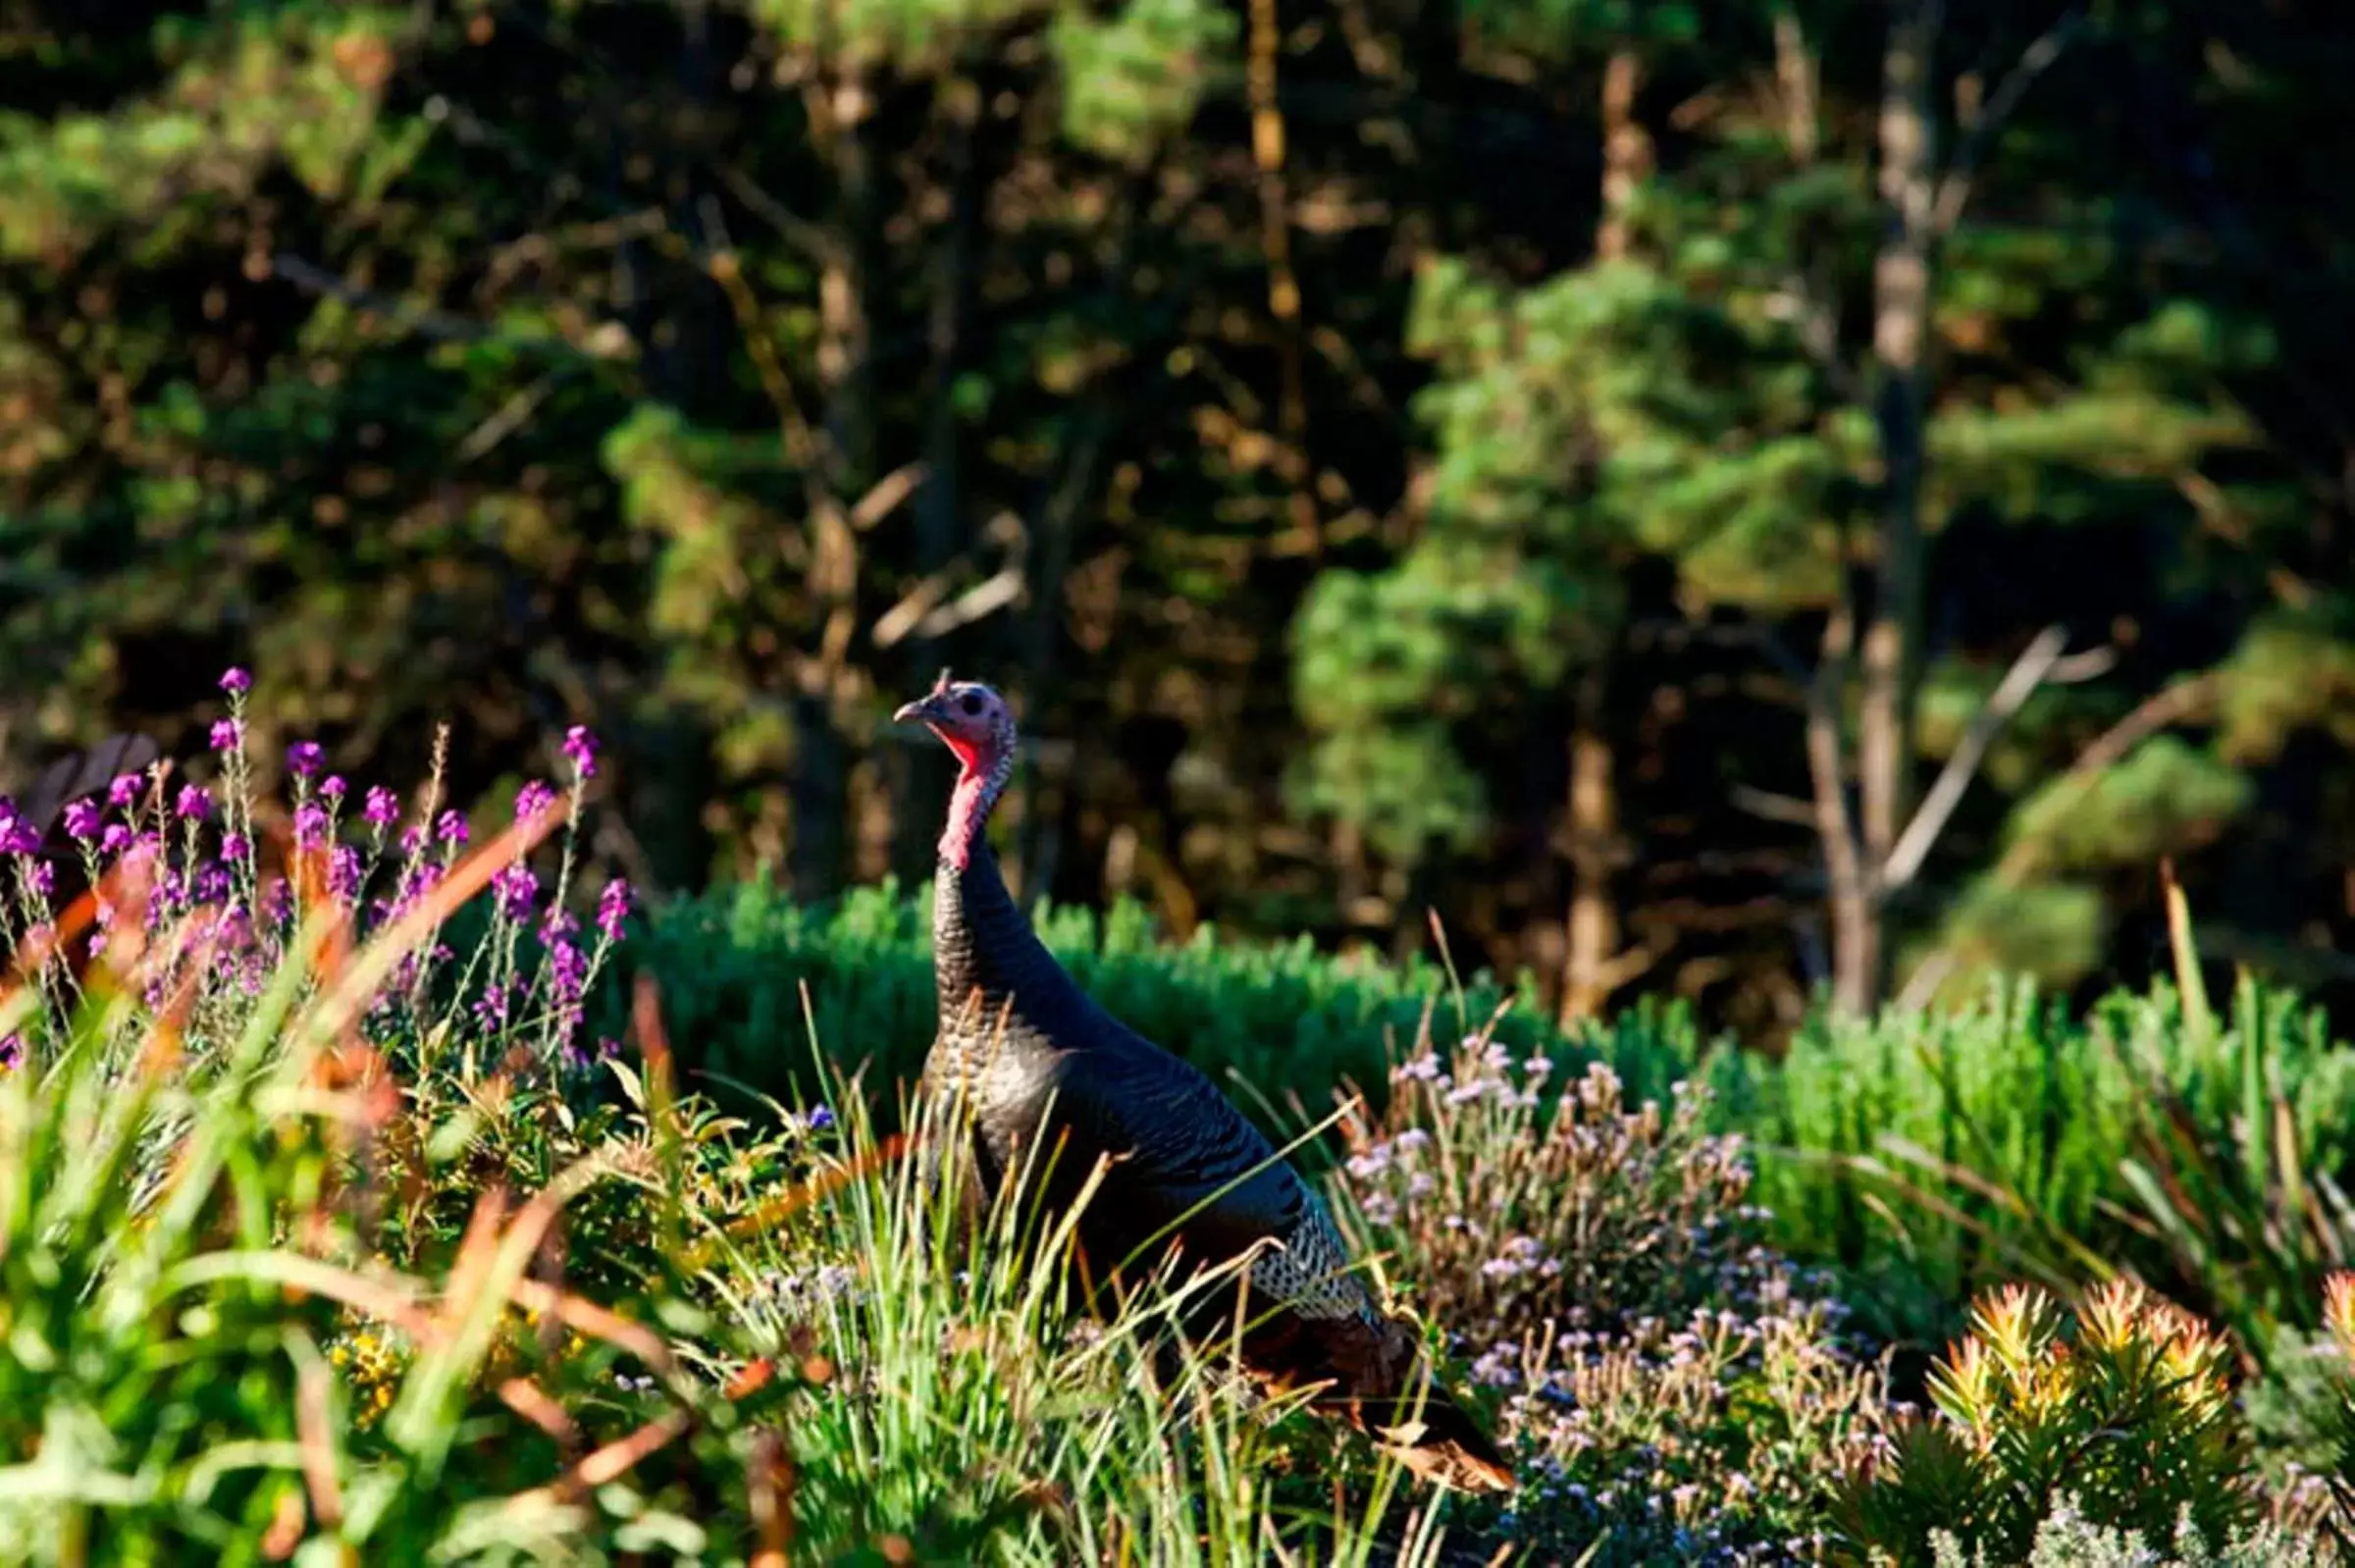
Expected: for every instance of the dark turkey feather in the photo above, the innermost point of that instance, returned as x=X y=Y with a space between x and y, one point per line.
x=1019 y=1040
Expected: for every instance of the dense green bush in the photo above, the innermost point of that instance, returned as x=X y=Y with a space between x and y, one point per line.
x=1932 y=1157
x=1272 y=1024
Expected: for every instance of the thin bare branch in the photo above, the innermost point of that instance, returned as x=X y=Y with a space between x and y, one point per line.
x=1772 y=807
x=2027 y=673
x=885 y=497
x=1954 y=190
x=811 y=240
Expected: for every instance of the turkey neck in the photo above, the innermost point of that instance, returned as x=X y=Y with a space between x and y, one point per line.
x=983 y=943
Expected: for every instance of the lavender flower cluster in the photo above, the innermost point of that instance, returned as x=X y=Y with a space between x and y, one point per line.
x=215 y=916
x=1675 y=1390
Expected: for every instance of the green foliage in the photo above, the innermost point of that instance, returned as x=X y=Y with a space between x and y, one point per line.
x=2048 y=932
x=1927 y=1157
x=1933 y=1155
x=2164 y=793
x=253 y=87
x=1270 y=1023
x=2067 y=1538
x=314 y=1258
x=1132 y=80
x=527 y=361
x=2129 y=1421
x=2291 y=673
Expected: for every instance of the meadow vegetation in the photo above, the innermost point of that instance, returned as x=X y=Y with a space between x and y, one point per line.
x=361 y=1201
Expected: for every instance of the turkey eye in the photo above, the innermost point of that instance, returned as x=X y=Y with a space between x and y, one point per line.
x=972 y=702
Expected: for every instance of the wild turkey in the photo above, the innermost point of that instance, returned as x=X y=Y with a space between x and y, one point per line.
x=1015 y=1030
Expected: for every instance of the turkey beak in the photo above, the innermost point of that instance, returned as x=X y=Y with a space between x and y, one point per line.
x=918 y=712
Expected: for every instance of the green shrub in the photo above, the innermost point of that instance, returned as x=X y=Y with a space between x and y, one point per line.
x=1931 y=1156
x=1271 y=1023
x=2132 y=1418
x=2066 y=1539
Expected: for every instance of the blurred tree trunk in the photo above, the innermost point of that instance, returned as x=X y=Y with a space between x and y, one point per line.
x=1889 y=660
x=1902 y=282
x=676 y=776
x=1591 y=964
x=923 y=773
x=842 y=108
x=1283 y=286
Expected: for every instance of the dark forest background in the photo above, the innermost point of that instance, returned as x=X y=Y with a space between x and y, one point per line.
x=1712 y=499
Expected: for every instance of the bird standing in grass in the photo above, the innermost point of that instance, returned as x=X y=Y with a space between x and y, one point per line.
x=1021 y=1042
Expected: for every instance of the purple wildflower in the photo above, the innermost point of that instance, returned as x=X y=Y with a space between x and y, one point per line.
x=195 y=805
x=568 y=970
x=16 y=836
x=114 y=839
x=382 y=807
x=310 y=825
x=82 y=819
x=212 y=884
x=580 y=748
x=331 y=785
x=451 y=829
x=534 y=798
x=12 y=1051
x=304 y=757
x=517 y=888
x=124 y=790
x=346 y=871
x=421 y=879
x=612 y=908
x=277 y=900
x=235 y=681
x=236 y=847
x=491 y=1008
x=227 y=734
x=43 y=877
x=820 y=1119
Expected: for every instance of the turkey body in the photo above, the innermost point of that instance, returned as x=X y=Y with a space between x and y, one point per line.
x=1034 y=1058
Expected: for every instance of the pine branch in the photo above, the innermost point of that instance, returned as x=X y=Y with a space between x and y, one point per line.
x=2173 y=705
